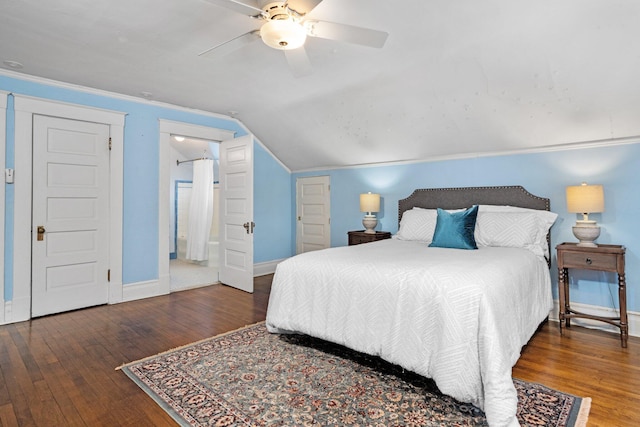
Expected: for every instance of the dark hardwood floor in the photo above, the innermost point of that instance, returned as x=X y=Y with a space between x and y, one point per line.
x=60 y=370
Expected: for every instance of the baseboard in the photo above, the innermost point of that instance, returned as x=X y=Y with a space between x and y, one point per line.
x=187 y=287
x=263 y=268
x=5 y=307
x=17 y=310
x=632 y=317
x=140 y=290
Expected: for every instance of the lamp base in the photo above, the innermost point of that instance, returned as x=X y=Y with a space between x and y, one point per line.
x=586 y=234
x=369 y=222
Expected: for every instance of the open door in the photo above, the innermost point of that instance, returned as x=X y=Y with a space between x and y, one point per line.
x=236 y=213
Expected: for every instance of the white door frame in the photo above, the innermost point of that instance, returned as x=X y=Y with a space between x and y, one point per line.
x=25 y=107
x=3 y=133
x=168 y=128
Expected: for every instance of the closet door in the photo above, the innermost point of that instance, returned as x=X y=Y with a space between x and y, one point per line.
x=70 y=237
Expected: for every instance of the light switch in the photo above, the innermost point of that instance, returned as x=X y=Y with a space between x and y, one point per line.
x=8 y=176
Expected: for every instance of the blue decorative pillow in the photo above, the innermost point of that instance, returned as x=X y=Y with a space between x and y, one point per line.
x=455 y=230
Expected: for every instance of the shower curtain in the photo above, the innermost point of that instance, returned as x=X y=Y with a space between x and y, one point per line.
x=200 y=211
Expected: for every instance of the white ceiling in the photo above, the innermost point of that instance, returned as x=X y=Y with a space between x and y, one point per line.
x=455 y=76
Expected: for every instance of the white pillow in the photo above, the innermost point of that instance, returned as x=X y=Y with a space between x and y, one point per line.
x=418 y=224
x=514 y=227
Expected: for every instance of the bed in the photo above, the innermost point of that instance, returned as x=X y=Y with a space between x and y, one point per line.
x=457 y=316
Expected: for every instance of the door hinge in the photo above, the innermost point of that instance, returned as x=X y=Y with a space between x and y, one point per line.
x=109 y=143
x=108 y=275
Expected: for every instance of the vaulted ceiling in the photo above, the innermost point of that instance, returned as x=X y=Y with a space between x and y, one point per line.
x=455 y=77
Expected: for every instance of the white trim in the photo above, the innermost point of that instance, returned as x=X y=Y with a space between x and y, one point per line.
x=632 y=317
x=264 y=268
x=141 y=290
x=168 y=128
x=188 y=287
x=187 y=129
x=544 y=149
x=113 y=95
x=3 y=165
x=6 y=310
x=25 y=107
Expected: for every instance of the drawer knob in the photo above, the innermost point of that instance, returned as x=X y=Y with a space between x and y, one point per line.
x=588 y=261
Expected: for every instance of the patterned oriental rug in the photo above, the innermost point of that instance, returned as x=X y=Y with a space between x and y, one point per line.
x=250 y=377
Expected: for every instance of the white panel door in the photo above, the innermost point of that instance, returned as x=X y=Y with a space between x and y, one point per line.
x=313 y=206
x=70 y=236
x=236 y=213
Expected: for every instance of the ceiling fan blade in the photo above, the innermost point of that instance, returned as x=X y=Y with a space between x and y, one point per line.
x=246 y=7
x=346 y=33
x=298 y=62
x=233 y=44
x=302 y=7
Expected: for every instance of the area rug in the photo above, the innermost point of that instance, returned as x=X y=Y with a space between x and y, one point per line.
x=250 y=377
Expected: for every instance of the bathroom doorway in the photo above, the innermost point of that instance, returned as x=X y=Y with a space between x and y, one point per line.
x=194 y=219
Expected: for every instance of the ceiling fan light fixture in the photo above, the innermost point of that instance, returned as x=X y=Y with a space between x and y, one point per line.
x=283 y=34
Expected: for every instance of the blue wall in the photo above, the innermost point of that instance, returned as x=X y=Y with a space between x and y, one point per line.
x=272 y=200
x=140 y=204
x=544 y=174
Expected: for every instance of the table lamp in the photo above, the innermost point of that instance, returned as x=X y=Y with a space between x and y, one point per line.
x=369 y=203
x=585 y=199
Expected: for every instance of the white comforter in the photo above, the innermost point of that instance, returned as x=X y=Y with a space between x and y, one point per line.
x=460 y=317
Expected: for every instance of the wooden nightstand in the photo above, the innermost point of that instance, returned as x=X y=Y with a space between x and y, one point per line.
x=357 y=237
x=600 y=258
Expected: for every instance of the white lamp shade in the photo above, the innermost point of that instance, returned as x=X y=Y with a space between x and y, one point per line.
x=283 y=34
x=369 y=202
x=585 y=198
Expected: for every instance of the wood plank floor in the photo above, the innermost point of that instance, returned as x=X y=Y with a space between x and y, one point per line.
x=59 y=370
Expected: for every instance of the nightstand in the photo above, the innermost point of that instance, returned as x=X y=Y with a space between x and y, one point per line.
x=600 y=258
x=357 y=237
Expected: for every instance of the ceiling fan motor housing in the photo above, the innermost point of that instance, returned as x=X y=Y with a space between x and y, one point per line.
x=282 y=30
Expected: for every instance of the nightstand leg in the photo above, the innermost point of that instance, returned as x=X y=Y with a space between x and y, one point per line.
x=561 y=296
x=567 y=298
x=622 y=295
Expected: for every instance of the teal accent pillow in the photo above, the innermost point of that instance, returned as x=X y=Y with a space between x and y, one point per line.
x=455 y=229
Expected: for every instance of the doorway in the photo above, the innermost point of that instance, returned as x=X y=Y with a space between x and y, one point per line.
x=194 y=216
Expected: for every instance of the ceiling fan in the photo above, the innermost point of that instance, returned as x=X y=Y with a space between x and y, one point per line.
x=285 y=26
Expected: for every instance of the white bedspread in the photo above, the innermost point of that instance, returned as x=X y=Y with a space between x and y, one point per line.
x=460 y=317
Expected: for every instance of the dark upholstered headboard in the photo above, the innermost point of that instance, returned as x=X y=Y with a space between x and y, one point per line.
x=464 y=197
x=458 y=198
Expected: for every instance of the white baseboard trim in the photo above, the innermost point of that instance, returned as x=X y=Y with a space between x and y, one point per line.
x=632 y=317
x=17 y=310
x=263 y=268
x=140 y=290
x=187 y=287
x=5 y=314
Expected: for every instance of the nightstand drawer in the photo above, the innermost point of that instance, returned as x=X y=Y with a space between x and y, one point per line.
x=590 y=261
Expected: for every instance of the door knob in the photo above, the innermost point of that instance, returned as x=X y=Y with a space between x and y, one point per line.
x=249 y=226
x=41 y=231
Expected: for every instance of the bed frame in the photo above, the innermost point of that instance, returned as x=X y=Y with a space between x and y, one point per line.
x=464 y=197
